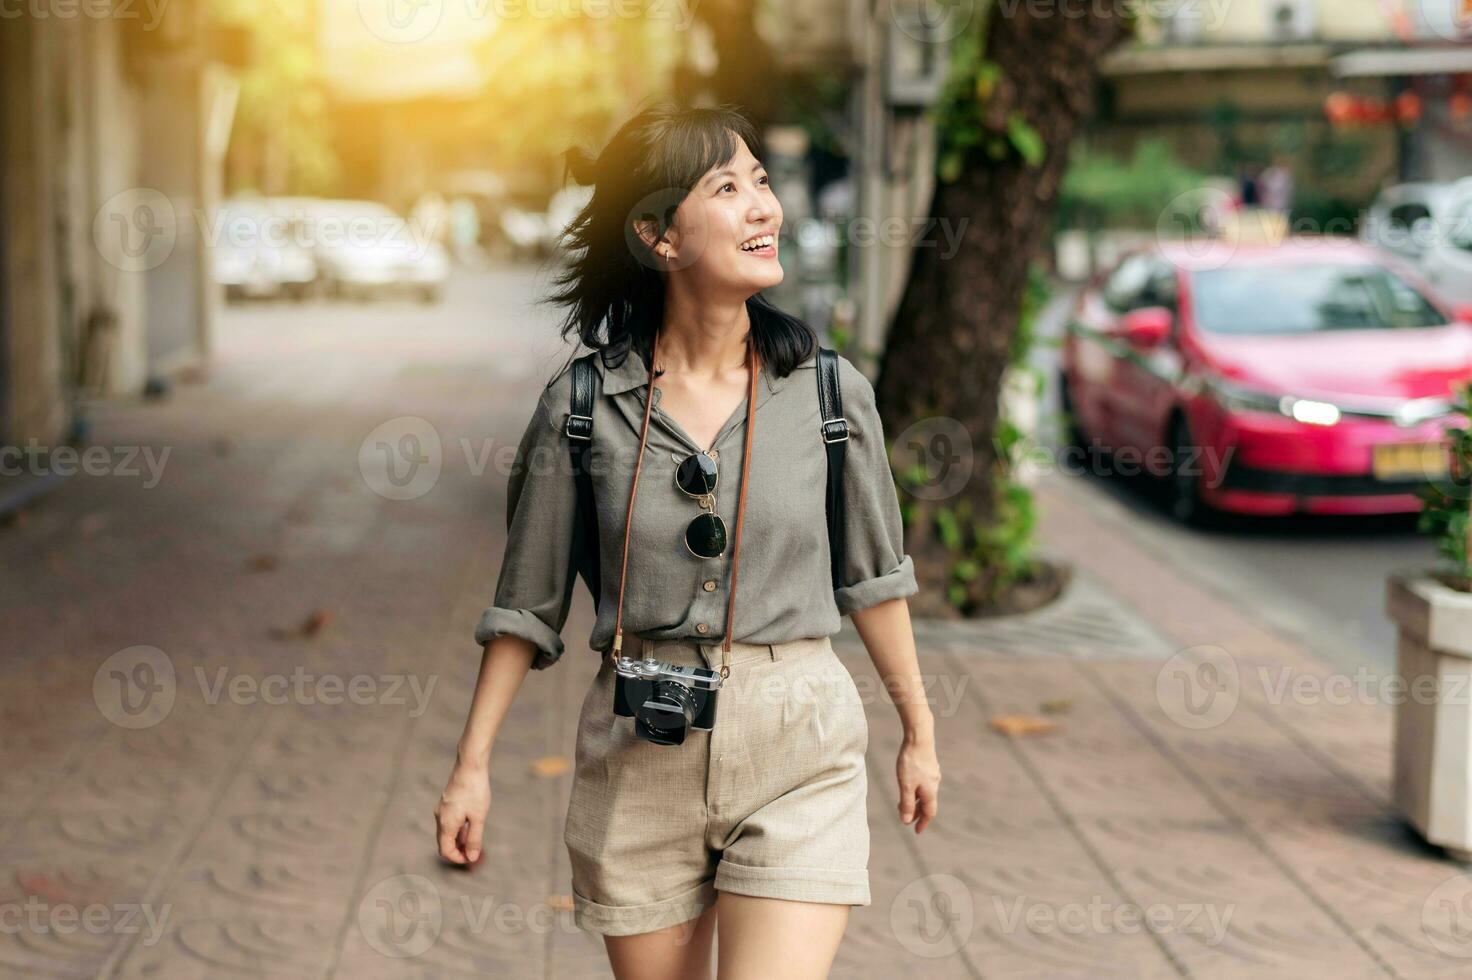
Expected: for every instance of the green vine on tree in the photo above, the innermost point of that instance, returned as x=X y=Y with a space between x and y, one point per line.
x=974 y=112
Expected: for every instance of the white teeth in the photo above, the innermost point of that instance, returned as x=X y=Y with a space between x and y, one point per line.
x=761 y=241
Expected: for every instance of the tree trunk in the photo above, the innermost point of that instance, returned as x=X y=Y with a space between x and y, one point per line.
x=745 y=74
x=953 y=332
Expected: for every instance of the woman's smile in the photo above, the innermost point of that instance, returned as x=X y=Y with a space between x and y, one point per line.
x=763 y=246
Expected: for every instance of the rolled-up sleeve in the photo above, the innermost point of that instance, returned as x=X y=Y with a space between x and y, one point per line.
x=876 y=567
x=535 y=587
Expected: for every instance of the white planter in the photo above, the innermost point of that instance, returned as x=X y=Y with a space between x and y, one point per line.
x=1433 y=721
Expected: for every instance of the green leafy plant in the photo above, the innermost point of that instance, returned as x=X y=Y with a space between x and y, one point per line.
x=1447 y=514
x=1103 y=190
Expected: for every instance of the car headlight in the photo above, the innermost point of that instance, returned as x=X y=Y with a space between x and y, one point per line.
x=1241 y=398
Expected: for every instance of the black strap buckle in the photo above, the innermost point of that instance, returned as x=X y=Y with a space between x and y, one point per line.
x=583 y=425
x=838 y=432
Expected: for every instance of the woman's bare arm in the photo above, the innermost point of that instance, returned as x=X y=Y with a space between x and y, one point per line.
x=460 y=817
x=885 y=629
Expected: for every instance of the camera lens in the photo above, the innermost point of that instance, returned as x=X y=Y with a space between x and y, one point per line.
x=666 y=714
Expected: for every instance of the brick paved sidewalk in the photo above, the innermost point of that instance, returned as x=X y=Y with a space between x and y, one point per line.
x=194 y=809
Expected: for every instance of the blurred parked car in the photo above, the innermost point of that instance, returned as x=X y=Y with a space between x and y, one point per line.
x=363 y=248
x=1314 y=375
x=253 y=258
x=1431 y=225
x=536 y=233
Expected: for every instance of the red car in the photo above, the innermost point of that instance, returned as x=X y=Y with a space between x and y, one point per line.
x=1314 y=375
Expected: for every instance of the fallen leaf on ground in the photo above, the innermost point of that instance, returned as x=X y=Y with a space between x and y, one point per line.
x=309 y=627
x=559 y=903
x=262 y=563
x=1056 y=706
x=550 y=765
x=1014 y=726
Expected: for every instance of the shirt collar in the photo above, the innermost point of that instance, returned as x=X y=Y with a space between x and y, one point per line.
x=632 y=373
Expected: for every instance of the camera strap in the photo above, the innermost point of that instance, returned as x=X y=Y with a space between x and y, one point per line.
x=753 y=364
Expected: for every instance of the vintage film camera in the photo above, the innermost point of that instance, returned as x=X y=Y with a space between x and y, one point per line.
x=665 y=701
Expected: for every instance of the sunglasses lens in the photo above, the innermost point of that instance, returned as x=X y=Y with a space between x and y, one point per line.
x=697 y=475
x=706 y=536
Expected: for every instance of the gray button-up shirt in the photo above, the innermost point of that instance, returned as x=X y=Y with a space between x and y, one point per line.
x=785 y=589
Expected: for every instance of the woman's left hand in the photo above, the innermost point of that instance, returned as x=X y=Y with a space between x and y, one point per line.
x=919 y=774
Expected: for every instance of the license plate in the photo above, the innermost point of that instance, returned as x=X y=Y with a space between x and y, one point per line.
x=1410 y=461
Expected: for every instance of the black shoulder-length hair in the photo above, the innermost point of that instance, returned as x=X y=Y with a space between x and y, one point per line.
x=613 y=286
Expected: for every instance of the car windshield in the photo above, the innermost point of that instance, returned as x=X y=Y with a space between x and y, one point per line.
x=1298 y=299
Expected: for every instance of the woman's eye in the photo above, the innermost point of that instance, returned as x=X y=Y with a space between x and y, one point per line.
x=728 y=184
x=763 y=179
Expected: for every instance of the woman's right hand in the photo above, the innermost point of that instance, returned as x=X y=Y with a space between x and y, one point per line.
x=460 y=817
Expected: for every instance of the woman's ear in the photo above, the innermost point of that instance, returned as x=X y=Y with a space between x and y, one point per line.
x=648 y=232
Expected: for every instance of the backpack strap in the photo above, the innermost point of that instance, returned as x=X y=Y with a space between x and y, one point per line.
x=579 y=431
x=834 y=429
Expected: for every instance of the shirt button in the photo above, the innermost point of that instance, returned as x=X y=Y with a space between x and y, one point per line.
x=702 y=627
x=710 y=585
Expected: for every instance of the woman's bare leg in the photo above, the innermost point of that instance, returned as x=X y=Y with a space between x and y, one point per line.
x=680 y=952
x=775 y=939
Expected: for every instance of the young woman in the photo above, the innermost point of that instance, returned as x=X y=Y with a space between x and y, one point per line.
x=708 y=470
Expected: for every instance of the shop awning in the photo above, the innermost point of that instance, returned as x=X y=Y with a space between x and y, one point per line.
x=1403 y=61
x=1147 y=59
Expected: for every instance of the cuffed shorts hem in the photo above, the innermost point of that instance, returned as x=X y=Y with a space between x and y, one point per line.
x=629 y=920
x=827 y=885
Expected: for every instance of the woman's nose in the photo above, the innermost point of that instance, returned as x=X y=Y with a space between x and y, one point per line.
x=763 y=207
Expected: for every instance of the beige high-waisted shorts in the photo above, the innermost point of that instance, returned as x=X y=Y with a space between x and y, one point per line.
x=771 y=802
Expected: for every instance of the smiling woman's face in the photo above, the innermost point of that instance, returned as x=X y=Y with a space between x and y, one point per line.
x=725 y=230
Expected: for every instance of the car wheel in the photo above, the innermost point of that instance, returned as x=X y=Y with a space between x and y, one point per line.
x=1184 y=480
x=1073 y=436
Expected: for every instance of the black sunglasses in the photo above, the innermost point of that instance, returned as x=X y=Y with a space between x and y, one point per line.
x=696 y=476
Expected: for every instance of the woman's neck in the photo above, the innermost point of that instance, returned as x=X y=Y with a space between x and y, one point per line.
x=702 y=338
